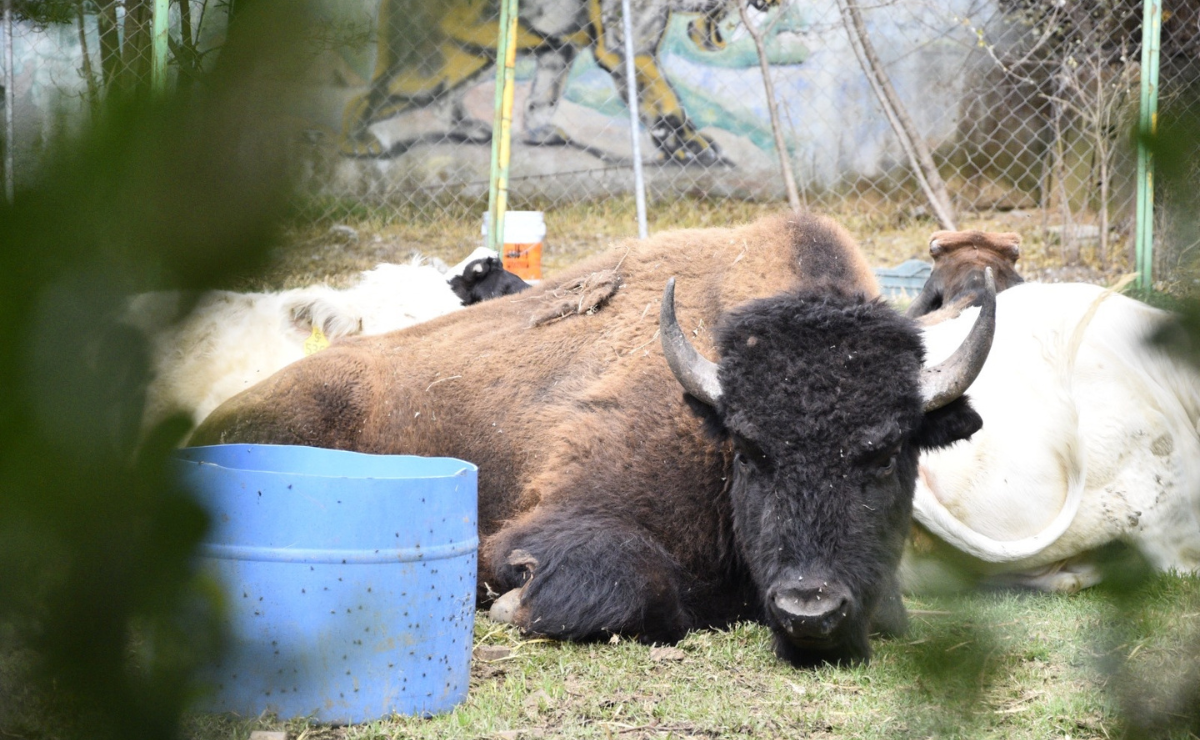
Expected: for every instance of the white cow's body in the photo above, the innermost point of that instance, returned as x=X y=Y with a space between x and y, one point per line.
x=1112 y=418
x=231 y=341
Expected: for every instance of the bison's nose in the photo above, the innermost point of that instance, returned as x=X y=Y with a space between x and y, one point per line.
x=811 y=612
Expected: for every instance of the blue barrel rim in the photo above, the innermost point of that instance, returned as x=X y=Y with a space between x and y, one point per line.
x=466 y=468
x=417 y=554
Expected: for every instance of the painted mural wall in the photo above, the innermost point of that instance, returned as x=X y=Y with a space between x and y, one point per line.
x=403 y=95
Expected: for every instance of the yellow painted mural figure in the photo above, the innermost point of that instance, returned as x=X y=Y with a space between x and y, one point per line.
x=553 y=31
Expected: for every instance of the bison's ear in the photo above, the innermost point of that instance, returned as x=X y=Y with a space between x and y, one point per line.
x=945 y=426
x=1008 y=244
x=714 y=427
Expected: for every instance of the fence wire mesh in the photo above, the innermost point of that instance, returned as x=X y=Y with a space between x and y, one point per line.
x=70 y=55
x=1018 y=105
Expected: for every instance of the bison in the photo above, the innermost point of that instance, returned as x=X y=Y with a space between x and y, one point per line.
x=630 y=485
x=959 y=261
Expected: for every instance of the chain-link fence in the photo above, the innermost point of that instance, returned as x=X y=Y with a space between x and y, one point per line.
x=941 y=108
x=1012 y=104
x=69 y=55
x=1177 y=213
x=1054 y=102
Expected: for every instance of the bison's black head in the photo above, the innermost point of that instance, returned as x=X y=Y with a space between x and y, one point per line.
x=827 y=405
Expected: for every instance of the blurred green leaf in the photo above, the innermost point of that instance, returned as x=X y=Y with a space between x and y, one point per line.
x=104 y=615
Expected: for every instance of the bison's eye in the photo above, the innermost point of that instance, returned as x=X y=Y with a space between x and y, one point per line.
x=748 y=455
x=888 y=467
x=885 y=465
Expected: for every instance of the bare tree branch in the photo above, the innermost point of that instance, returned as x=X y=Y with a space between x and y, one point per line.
x=789 y=180
x=914 y=146
x=89 y=75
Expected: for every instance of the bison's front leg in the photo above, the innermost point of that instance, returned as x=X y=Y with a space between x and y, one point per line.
x=584 y=576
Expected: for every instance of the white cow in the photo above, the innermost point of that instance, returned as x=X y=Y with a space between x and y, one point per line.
x=1089 y=437
x=230 y=341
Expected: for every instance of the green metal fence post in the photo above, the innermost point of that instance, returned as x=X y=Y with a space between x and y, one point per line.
x=161 y=29
x=1147 y=124
x=506 y=59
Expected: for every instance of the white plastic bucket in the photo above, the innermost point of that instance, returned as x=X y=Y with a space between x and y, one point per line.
x=524 y=233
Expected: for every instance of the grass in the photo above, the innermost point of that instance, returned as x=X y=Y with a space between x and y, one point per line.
x=994 y=665
x=312 y=253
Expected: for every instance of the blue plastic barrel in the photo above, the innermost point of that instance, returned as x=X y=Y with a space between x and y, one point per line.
x=350 y=579
x=905 y=280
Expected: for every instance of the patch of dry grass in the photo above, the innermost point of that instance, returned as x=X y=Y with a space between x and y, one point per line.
x=313 y=252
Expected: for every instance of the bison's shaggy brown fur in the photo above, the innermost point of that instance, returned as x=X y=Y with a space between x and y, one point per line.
x=602 y=486
x=507 y=395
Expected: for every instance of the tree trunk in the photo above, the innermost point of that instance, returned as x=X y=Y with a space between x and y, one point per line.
x=136 y=52
x=1068 y=252
x=914 y=146
x=189 y=64
x=1102 y=257
x=110 y=41
x=89 y=75
x=785 y=164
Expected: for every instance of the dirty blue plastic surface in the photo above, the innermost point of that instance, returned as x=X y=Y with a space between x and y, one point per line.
x=905 y=280
x=350 y=579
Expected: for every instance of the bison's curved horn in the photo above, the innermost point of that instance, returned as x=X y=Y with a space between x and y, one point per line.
x=697 y=375
x=947 y=380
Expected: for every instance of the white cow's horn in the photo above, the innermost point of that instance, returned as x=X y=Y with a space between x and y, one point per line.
x=949 y=379
x=697 y=375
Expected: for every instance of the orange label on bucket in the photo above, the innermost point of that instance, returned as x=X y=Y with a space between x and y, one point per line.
x=523 y=260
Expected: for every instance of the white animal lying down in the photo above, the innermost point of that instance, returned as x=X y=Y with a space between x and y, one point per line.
x=1089 y=437
x=231 y=341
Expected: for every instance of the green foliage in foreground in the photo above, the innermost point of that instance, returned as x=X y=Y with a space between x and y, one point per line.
x=999 y=665
x=102 y=615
